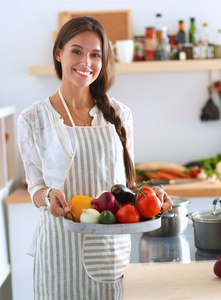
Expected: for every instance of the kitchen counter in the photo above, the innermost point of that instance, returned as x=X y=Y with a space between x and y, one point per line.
x=187 y=190
x=172 y=281
x=174 y=249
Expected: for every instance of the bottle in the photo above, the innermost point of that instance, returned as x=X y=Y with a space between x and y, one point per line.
x=181 y=36
x=163 y=48
x=159 y=28
x=205 y=37
x=193 y=34
x=206 y=47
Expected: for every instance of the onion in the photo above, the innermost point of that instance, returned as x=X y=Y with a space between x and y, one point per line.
x=90 y=216
x=99 y=194
x=106 y=201
x=217 y=267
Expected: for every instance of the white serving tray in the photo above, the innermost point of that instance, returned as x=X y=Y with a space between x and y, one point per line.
x=107 y=229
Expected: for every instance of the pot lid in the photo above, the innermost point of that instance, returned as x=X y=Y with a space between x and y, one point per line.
x=207 y=216
x=213 y=216
x=178 y=201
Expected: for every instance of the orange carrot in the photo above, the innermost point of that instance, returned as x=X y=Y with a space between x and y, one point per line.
x=165 y=176
x=175 y=172
x=152 y=175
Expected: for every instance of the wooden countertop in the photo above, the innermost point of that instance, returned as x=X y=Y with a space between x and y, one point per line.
x=19 y=196
x=172 y=281
x=186 y=190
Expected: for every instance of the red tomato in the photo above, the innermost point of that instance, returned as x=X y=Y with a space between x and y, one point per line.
x=147 y=191
x=149 y=206
x=127 y=214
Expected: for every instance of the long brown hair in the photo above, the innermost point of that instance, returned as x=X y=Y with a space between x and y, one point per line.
x=104 y=81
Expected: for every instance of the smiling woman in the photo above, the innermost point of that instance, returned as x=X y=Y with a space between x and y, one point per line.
x=94 y=138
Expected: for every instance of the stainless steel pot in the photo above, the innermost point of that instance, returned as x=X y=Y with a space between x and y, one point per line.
x=174 y=222
x=207 y=228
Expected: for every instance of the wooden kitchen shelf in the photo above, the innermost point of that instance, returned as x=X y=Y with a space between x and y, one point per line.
x=146 y=67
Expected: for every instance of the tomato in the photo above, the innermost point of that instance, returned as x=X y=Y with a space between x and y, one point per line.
x=127 y=214
x=149 y=206
x=147 y=191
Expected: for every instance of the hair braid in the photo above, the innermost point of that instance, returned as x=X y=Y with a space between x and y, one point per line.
x=110 y=115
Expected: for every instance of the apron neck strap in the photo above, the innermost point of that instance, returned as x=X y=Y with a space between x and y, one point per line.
x=66 y=107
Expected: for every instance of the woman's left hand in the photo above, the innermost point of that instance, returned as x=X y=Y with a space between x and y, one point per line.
x=164 y=198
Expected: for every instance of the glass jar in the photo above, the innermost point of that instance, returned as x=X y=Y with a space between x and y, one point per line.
x=150 y=43
x=139 y=48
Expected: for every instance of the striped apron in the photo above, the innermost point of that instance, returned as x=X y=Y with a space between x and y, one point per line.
x=77 y=266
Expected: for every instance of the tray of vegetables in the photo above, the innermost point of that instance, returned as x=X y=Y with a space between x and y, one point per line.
x=120 y=211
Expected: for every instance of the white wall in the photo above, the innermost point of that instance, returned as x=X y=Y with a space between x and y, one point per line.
x=166 y=107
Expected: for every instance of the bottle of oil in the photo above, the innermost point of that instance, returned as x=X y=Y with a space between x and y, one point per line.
x=193 y=33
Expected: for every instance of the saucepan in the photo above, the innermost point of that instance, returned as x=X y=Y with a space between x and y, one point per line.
x=207 y=228
x=174 y=222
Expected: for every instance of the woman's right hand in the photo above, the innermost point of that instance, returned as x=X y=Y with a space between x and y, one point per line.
x=59 y=206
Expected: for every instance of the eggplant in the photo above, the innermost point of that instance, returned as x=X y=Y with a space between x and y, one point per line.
x=195 y=163
x=122 y=194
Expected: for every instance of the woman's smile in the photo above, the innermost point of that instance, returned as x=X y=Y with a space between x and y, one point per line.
x=84 y=73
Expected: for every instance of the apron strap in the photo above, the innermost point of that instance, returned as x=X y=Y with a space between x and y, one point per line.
x=66 y=107
x=70 y=117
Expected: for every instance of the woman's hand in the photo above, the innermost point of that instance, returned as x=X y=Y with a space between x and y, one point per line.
x=59 y=206
x=164 y=198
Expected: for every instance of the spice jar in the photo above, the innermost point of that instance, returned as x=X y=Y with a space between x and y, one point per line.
x=150 y=43
x=139 y=48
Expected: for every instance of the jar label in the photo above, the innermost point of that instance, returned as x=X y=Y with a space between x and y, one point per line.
x=150 y=44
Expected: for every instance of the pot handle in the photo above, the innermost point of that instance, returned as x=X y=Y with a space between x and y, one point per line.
x=169 y=216
x=190 y=216
x=215 y=201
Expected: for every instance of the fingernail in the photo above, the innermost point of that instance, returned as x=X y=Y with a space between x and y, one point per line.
x=67 y=208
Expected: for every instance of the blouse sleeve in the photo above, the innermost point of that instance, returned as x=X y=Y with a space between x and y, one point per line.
x=31 y=160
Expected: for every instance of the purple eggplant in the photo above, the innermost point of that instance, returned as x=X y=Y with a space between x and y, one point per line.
x=122 y=194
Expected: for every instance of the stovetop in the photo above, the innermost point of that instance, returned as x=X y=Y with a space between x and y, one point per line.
x=180 y=248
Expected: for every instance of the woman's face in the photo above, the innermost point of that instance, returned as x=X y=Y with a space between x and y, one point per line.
x=81 y=59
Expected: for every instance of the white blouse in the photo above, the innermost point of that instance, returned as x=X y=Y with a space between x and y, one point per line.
x=45 y=144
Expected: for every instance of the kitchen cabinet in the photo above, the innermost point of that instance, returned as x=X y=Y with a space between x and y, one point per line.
x=146 y=67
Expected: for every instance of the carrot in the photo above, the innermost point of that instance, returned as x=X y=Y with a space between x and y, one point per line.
x=175 y=172
x=165 y=176
x=152 y=175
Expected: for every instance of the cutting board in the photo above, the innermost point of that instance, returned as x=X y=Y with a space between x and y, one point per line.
x=202 y=188
x=172 y=282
